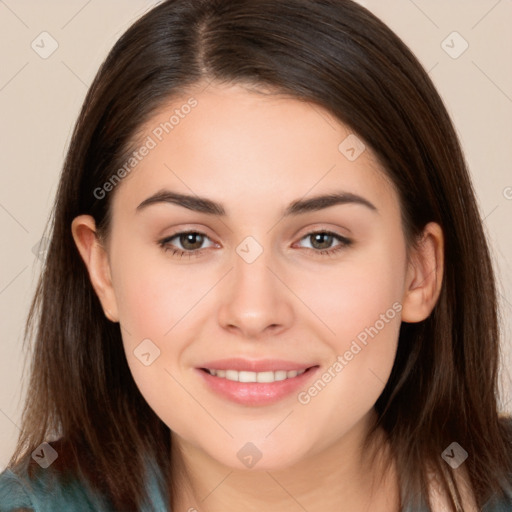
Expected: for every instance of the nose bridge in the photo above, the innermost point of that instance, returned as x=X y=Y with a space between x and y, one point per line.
x=252 y=265
x=257 y=299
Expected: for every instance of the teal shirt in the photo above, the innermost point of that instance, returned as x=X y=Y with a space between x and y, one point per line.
x=74 y=497
x=71 y=496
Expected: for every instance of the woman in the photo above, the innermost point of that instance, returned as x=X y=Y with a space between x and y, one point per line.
x=191 y=353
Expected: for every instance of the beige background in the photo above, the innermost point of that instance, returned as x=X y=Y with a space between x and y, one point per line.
x=40 y=99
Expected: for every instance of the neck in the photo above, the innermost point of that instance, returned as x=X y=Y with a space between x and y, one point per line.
x=343 y=477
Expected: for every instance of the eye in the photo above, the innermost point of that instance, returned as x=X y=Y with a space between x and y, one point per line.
x=189 y=240
x=322 y=241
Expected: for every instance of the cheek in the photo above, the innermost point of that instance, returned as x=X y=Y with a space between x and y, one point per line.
x=352 y=295
x=153 y=301
x=360 y=303
x=153 y=294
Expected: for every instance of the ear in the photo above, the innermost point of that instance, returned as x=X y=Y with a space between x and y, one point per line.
x=95 y=258
x=424 y=275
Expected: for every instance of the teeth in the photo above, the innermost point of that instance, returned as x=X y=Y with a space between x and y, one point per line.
x=265 y=377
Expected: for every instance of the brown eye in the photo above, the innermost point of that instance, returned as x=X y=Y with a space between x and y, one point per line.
x=191 y=241
x=321 y=242
x=186 y=243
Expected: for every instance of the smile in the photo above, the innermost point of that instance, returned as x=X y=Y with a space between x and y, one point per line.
x=254 y=383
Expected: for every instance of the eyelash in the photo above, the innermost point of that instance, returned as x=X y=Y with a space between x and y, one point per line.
x=165 y=244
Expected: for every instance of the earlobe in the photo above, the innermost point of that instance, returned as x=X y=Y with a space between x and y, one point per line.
x=95 y=258
x=424 y=275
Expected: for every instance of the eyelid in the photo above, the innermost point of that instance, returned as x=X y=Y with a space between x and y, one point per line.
x=327 y=232
x=326 y=226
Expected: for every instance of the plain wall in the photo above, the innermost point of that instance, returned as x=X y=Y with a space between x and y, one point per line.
x=40 y=99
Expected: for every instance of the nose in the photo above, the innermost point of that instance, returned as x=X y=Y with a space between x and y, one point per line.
x=256 y=301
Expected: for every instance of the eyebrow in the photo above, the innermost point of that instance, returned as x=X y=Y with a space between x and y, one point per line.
x=209 y=207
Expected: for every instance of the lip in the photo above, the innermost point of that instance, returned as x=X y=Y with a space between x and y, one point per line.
x=256 y=393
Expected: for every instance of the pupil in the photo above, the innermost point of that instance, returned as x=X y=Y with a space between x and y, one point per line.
x=323 y=235
x=189 y=237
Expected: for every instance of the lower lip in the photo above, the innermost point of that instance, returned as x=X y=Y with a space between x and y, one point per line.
x=256 y=393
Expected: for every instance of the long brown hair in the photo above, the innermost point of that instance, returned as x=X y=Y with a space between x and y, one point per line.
x=336 y=54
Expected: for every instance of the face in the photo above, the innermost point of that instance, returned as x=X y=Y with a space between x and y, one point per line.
x=268 y=282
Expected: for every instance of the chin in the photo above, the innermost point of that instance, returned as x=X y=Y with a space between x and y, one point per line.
x=251 y=456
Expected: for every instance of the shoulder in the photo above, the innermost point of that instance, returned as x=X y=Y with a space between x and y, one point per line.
x=13 y=495
x=45 y=491
x=439 y=499
x=56 y=485
x=494 y=504
x=499 y=504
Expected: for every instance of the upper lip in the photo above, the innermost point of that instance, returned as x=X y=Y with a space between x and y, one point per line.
x=260 y=365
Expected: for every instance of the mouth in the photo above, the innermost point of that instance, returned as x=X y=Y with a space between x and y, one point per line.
x=256 y=383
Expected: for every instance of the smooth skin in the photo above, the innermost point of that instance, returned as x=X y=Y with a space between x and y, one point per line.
x=255 y=154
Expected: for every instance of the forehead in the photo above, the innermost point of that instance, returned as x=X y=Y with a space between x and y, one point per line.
x=234 y=144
